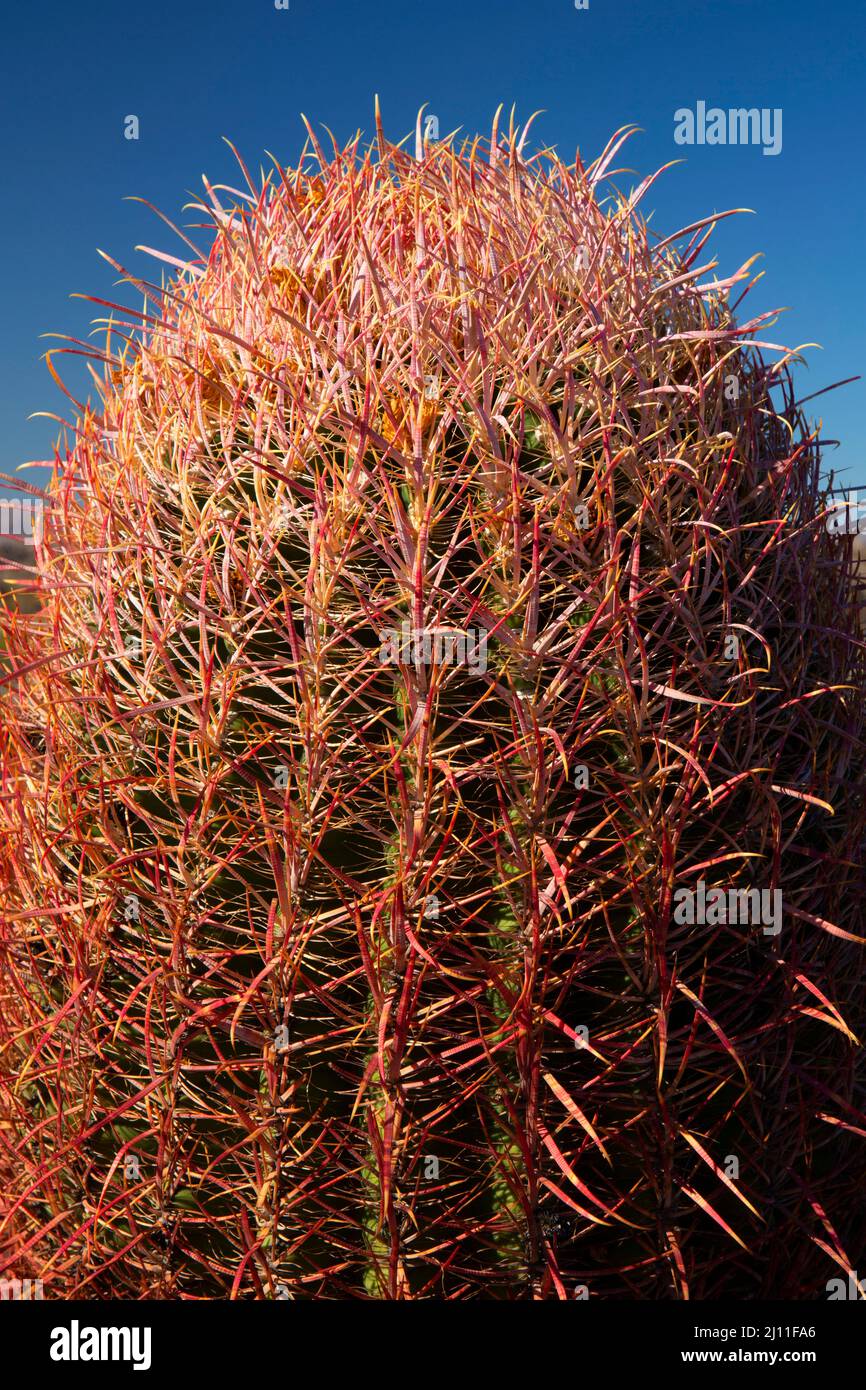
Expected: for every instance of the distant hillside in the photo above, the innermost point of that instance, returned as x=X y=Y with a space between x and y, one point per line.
x=14 y=552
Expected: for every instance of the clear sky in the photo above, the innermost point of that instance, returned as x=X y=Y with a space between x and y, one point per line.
x=193 y=71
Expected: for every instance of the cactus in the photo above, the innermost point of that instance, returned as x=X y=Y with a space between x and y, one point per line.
x=432 y=795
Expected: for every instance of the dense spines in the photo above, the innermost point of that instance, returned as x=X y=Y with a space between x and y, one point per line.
x=450 y=391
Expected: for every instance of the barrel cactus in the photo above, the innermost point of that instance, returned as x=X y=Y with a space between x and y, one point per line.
x=432 y=811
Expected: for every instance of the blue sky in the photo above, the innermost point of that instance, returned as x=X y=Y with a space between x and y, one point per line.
x=196 y=70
